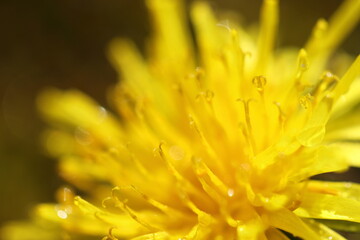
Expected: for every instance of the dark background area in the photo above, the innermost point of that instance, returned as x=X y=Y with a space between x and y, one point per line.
x=62 y=43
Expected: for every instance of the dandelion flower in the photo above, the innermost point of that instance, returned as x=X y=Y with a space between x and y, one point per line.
x=217 y=141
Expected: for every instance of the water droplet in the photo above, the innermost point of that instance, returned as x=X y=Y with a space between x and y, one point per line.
x=230 y=192
x=245 y=166
x=224 y=24
x=330 y=237
x=62 y=214
x=65 y=195
x=176 y=152
x=102 y=113
x=82 y=136
x=348 y=185
x=303 y=61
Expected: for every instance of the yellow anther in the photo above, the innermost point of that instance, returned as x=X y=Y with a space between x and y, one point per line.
x=199 y=73
x=329 y=81
x=105 y=203
x=209 y=95
x=259 y=82
x=306 y=101
x=110 y=235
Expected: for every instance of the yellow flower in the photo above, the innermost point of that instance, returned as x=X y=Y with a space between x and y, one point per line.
x=214 y=143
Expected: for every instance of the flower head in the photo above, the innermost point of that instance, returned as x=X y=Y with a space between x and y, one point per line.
x=217 y=141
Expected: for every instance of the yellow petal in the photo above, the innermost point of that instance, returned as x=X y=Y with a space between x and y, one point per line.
x=289 y=222
x=30 y=231
x=317 y=162
x=275 y=234
x=325 y=206
x=324 y=232
x=346 y=102
x=341 y=225
x=342 y=189
x=266 y=40
x=340 y=25
x=345 y=82
x=350 y=151
x=75 y=109
x=171 y=47
x=351 y=133
x=126 y=225
x=250 y=230
x=71 y=221
x=314 y=131
x=154 y=236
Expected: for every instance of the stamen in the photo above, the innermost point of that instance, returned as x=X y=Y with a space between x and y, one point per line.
x=245 y=133
x=110 y=236
x=281 y=118
x=325 y=86
x=122 y=205
x=202 y=169
x=199 y=76
x=210 y=150
x=162 y=207
x=182 y=182
x=142 y=169
x=105 y=203
x=329 y=80
x=306 y=101
x=259 y=82
x=248 y=124
x=208 y=96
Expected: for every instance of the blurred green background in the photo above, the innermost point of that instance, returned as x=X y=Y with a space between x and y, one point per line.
x=62 y=43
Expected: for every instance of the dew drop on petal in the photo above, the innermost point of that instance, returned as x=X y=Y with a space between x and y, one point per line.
x=62 y=214
x=82 y=136
x=176 y=152
x=102 y=114
x=230 y=192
